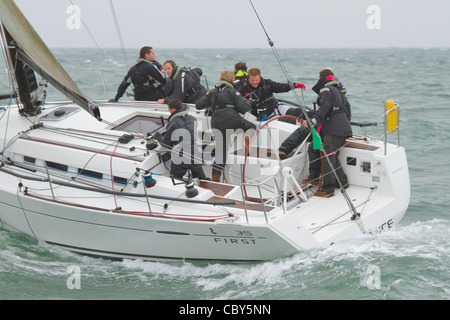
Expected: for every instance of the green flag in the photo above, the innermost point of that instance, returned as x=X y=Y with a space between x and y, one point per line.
x=317 y=140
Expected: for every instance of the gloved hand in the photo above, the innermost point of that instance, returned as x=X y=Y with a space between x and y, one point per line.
x=158 y=136
x=253 y=103
x=300 y=85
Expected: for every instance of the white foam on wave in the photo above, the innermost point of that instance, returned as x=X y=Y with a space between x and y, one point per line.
x=310 y=273
x=344 y=260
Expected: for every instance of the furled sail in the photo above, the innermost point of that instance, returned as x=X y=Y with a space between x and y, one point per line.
x=35 y=53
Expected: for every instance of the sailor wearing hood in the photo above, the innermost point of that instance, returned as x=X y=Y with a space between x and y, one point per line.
x=333 y=116
x=240 y=74
x=183 y=83
x=147 y=76
x=180 y=137
x=227 y=104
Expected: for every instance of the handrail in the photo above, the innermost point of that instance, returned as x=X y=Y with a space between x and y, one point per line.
x=391 y=122
x=120 y=193
x=258 y=185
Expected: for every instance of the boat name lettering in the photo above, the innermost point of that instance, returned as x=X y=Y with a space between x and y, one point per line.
x=234 y=241
x=387 y=225
x=238 y=233
x=243 y=233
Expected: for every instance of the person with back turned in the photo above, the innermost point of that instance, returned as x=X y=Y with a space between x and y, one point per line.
x=333 y=115
x=147 y=77
x=240 y=74
x=227 y=104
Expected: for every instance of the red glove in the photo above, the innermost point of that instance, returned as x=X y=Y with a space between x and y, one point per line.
x=299 y=85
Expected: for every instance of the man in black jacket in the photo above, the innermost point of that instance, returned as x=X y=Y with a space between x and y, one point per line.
x=333 y=116
x=182 y=83
x=261 y=91
x=180 y=138
x=147 y=76
x=226 y=104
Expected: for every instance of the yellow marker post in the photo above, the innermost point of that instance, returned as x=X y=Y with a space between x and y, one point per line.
x=391 y=121
x=391 y=117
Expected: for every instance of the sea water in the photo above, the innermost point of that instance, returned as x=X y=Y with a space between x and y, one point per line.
x=412 y=261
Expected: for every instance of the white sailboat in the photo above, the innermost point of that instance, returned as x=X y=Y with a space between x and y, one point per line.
x=73 y=174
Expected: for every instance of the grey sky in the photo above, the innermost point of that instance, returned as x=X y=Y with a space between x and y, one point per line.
x=233 y=24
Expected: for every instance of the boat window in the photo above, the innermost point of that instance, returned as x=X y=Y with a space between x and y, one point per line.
x=58 y=166
x=29 y=159
x=90 y=173
x=142 y=124
x=120 y=180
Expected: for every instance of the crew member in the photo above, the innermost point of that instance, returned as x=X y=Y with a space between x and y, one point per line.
x=260 y=91
x=182 y=83
x=180 y=136
x=333 y=116
x=240 y=74
x=226 y=104
x=147 y=76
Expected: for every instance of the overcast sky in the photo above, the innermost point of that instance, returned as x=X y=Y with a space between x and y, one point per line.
x=233 y=23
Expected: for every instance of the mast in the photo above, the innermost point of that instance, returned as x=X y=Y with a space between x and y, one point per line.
x=23 y=75
x=25 y=45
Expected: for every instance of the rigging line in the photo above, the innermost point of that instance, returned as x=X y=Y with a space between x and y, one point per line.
x=111 y=169
x=355 y=214
x=283 y=68
x=63 y=175
x=86 y=137
x=23 y=210
x=119 y=34
x=7 y=111
x=6 y=145
x=92 y=37
x=8 y=61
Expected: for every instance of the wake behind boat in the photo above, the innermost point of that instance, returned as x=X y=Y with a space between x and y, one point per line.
x=86 y=175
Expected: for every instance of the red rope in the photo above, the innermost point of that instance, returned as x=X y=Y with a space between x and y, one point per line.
x=112 y=177
x=253 y=138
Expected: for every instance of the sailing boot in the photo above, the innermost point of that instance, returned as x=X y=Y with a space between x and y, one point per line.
x=325 y=192
x=216 y=177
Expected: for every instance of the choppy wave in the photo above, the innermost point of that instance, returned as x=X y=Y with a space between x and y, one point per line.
x=412 y=260
x=413 y=263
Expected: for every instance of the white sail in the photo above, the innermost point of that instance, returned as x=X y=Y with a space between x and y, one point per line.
x=37 y=55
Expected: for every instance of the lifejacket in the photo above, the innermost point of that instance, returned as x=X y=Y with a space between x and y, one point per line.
x=141 y=79
x=240 y=74
x=218 y=103
x=325 y=84
x=188 y=72
x=265 y=103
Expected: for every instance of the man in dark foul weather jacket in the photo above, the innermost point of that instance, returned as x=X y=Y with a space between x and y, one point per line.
x=333 y=116
x=180 y=138
x=147 y=76
x=182 y=83
x=261 y=91
x=227 y=104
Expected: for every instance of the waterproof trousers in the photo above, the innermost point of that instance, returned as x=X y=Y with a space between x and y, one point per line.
x=332 y=144
x=177 y=171
x=222 y=145
x=294 y=140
